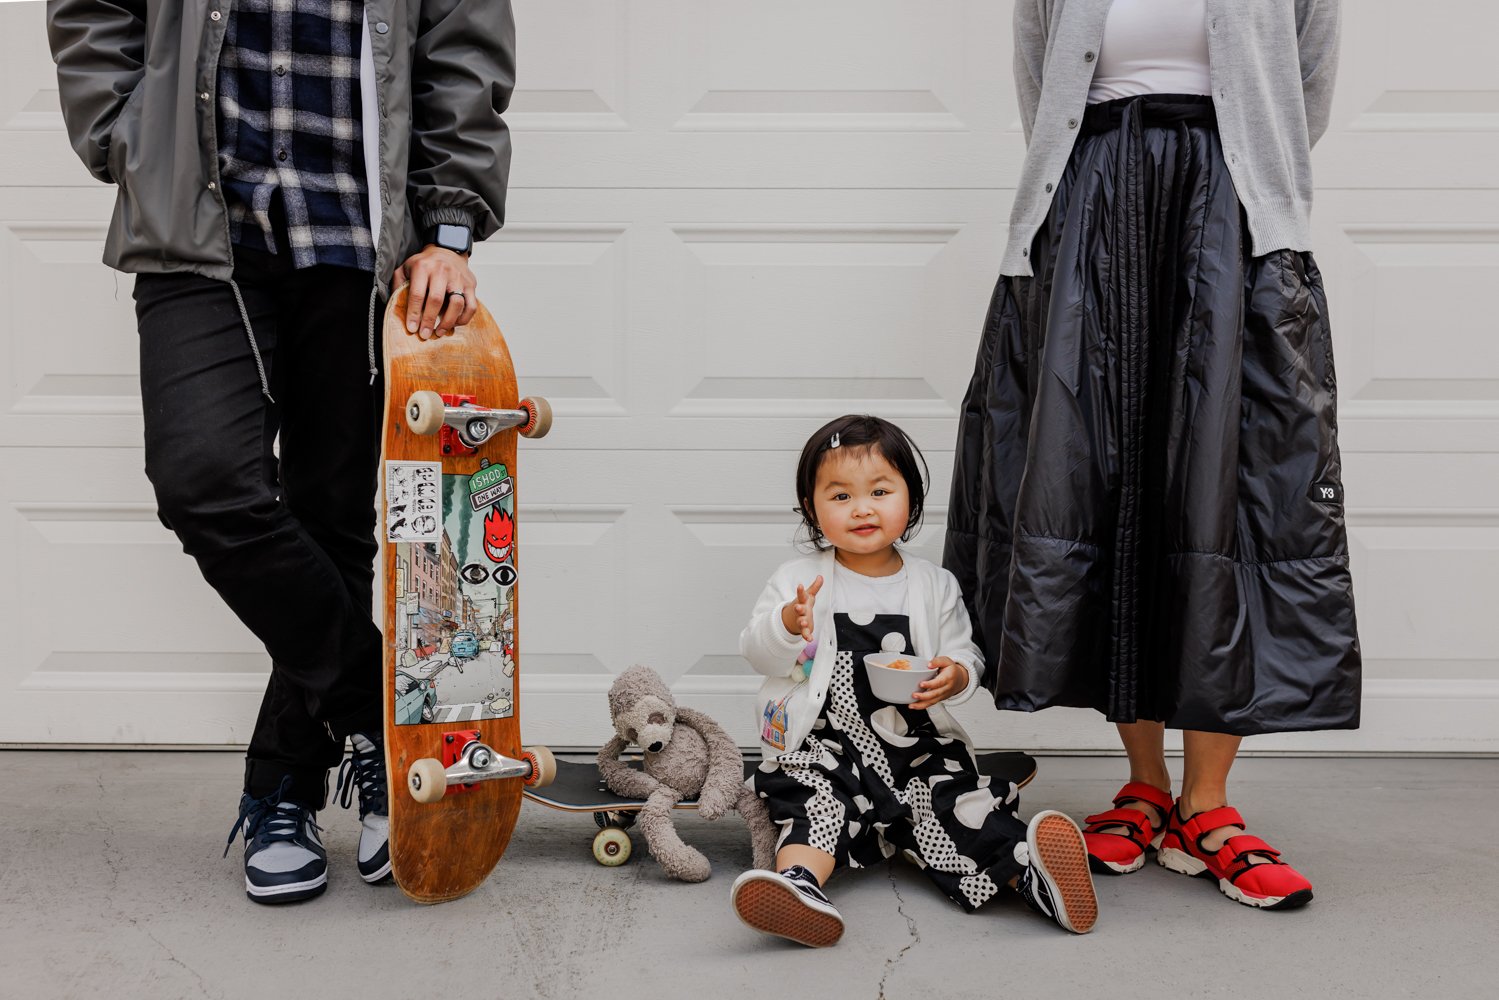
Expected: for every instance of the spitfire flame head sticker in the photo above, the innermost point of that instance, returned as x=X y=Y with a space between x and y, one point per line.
x=499 y=534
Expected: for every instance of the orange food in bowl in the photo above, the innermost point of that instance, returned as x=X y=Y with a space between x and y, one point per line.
x=899 y=664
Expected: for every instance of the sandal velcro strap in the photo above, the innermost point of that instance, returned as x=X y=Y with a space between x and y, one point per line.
x=1205 y=822
x=1137 y=821
x=1145 y=793
x=1244 y=845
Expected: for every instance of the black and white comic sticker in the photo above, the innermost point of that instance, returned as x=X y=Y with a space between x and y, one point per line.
x=413 y=501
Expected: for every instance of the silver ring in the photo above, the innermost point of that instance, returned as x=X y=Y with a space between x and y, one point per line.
x=459 y=295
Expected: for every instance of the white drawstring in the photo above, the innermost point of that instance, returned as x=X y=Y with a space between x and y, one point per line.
x=244 y=315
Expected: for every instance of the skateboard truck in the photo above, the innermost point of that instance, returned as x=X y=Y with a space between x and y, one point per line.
x=473 y=761
x=465 y=425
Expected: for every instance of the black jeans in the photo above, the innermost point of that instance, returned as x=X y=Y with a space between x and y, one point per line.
x=288 y=542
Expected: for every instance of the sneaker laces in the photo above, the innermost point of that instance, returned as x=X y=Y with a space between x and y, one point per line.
x=367 y=767
x=271 y=820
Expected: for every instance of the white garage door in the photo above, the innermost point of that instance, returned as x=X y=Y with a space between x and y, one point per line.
x=729 y=222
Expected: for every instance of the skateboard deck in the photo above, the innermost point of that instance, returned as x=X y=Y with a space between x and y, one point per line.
x=579 y=787
x=448 y=532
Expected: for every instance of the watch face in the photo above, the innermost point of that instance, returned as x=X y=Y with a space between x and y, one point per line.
x=456 y=238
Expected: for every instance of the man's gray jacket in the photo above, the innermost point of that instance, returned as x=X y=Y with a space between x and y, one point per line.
x=137 y=79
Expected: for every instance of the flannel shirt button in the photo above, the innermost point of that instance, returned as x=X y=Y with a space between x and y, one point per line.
x=280 y=70
x=382 y=27
x=215 y=16
x=281 y=155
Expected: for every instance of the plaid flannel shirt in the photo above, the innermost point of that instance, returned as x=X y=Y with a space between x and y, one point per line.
x=289 y=130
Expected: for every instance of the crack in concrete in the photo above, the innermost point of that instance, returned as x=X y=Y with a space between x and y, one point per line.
x=172 y=957
x=114 y=858
x=900 y=907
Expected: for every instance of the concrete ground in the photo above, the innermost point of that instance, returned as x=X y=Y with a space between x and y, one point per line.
x=111 y=884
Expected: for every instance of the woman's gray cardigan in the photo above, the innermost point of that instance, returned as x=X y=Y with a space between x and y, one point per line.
x=1272 y=64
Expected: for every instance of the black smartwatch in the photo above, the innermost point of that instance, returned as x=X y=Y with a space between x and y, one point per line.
x=459 y=239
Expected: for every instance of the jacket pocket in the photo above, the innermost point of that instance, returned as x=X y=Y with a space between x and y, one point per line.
x=122 y=134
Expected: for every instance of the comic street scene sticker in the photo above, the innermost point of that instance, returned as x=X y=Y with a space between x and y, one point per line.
x=413 y=504
x=454 y=596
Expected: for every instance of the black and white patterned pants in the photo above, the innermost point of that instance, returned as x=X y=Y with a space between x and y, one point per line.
x=874 y=778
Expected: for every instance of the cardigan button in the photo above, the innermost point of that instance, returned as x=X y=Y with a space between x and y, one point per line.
x=1088 y=56
x=382 y=27
x=215 y=16
x=1072 y=123
x=1048 y=189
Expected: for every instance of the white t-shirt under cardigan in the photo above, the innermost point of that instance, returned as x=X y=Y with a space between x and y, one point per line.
x=1152 y=47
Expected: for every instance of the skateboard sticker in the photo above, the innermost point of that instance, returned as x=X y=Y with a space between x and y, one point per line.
x=488 y=486
x=412 y=507
x=455 y=606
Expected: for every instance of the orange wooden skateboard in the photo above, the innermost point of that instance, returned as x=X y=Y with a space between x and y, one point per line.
x=448 y=534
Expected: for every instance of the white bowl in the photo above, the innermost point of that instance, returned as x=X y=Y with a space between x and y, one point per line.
x=892 y=685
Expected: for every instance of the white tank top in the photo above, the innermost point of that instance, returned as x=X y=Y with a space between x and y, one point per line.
x=1152 y=47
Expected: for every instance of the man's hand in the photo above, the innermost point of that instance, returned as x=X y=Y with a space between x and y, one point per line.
x=442 y=292
x=797 y=616
x=951 y=678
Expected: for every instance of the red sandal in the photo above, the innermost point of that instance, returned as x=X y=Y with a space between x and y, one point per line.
x=1270 y=885
x=1115 y=853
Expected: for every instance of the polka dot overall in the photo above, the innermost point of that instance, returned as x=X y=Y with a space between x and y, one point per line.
x=874 y=778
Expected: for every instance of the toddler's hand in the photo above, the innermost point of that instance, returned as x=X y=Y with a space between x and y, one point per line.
x=797 y=616
x=951 y=678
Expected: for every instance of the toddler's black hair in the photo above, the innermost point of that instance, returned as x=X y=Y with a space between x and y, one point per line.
x=856 y=432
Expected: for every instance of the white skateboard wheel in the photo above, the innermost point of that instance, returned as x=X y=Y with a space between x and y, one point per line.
x=427 y=780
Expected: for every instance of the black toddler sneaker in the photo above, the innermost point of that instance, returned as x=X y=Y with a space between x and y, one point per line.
x=1056 y=882
x=789 y=904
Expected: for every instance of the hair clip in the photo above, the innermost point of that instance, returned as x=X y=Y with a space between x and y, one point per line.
x=835 y=442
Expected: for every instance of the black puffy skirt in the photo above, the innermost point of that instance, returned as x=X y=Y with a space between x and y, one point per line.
x=1147 y=505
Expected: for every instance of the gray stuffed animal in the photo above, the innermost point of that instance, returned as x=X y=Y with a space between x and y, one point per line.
x=687 y=754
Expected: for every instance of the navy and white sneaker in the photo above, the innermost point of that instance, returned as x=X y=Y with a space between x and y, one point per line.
x=1056 y=882
x=789 y=904
x=284 y=859
x=366 y=768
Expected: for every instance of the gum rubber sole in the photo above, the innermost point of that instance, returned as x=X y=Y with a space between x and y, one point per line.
x=778 y=909
x=1063 y=858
